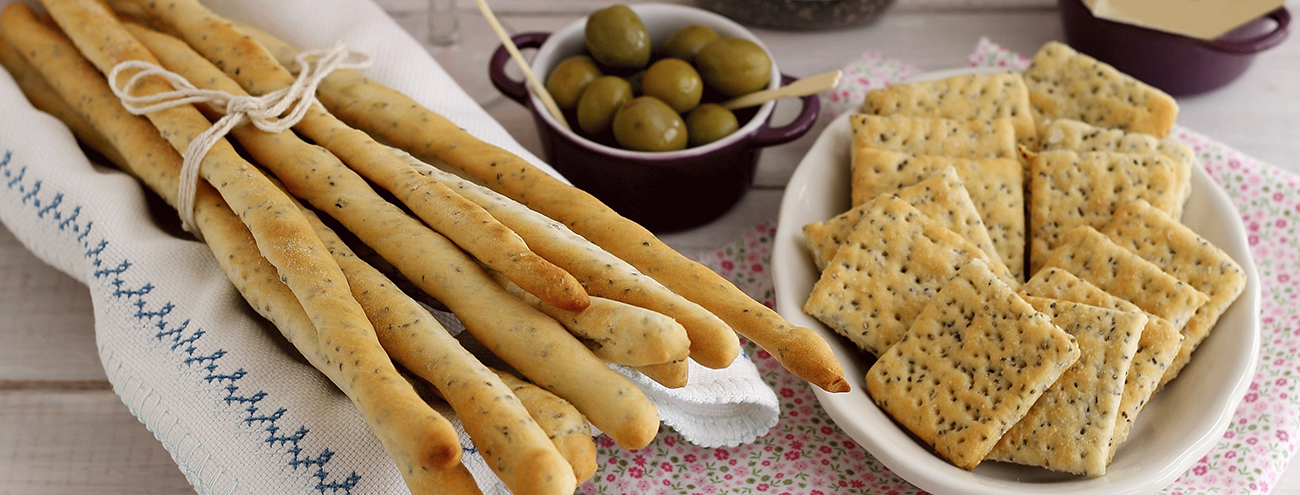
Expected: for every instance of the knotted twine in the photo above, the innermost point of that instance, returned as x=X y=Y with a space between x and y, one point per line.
x=266 y=112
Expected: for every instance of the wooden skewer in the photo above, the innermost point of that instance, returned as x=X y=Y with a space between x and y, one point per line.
x=533 y=81
x=803 y=87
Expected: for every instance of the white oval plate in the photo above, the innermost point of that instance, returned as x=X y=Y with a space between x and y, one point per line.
x=1178 y=427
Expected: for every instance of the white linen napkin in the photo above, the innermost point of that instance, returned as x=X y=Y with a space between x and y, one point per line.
x=235 y=406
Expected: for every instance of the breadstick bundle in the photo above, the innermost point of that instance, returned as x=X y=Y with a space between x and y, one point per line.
x=556 y=288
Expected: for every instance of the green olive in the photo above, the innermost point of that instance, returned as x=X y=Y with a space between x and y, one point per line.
x=647 y=124
x=734 y=66
x=710 y=122
x=675 y=82
x=569 y=78
x=688 y=41
x=616 y=37
x=600 y=101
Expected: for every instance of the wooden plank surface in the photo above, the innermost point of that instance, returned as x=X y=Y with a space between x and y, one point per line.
x=63 y=432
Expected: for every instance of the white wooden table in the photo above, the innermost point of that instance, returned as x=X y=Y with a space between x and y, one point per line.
x=63 y=431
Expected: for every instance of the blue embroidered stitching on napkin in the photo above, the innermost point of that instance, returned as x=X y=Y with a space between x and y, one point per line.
x=17 y=180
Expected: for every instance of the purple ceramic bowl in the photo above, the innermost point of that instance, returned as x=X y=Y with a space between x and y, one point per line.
x=1178 y=65
x=663 y=191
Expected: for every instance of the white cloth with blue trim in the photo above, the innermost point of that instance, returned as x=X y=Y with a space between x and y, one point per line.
x=218 y=387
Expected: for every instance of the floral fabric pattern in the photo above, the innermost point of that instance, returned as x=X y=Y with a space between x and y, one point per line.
x=868 y=72
x=806 y=453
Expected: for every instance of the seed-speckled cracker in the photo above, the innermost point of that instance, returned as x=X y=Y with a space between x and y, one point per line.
x=1067 y=84
x=1091 y=256
x=940 y=197
x=995 y=185
x=1158 y=238
x=1071 y=426
x=1080 y=137
x=934 y=136
x=1156 y=349
x=891 y=265
x=971 y=366
x=964 y=97
x=1068 y=189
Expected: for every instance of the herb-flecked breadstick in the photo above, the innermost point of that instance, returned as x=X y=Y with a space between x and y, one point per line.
x=514 y=446
x=530 y=341
x=462 y=221
x=406 y=124
x=621 y=333
x=426 y=441
x=315 y=175
x=671 y=374
x=151 y=159
x=255 y=278
x=44 y=98
x=712 y=343
x=567 y=428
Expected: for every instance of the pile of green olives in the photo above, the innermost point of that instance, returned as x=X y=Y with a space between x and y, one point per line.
x=624 y=92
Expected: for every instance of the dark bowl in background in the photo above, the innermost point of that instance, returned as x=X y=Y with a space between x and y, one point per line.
x=1178 y=65
x=799 y=15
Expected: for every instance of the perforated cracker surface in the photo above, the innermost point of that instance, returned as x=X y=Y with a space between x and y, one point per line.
x=1175 y=248
x=1080 y=137
x=970 y=366
x=1071 y=426
x=965 y=97
x=1156 y=350
x=942 y=197
x=1064 y=83
x=994 y=186
x=935 y=136
x=891 y=265
x=1091 y=256
x=1068 y=190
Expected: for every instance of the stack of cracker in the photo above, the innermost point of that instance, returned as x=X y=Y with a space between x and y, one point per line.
x=966 y=187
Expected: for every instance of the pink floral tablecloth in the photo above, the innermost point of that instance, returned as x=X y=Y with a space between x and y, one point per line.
x=805 y=453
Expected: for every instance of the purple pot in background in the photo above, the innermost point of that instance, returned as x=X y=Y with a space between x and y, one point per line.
x=663 y=191
x=1178 y=65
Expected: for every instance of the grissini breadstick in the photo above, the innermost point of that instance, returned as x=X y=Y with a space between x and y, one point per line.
x=712 y=342
x=672 y=374
x=44 y=98
x=318 y=177
x=255 y=278
x=371 y=106
x=567 y=428
x=150 y=158
x=530 y=341
x=622 y=333
x=462 y=221
x=514 y=446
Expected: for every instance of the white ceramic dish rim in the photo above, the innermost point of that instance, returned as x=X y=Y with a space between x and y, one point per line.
x=1161 y=447
x=570 y=39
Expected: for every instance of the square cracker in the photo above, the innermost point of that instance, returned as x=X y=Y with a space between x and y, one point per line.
x=995 y=185
x=940 y=197
x=890 y=266
x=1071 y=426
x=1158 y=238
x=1064 y=83
x=1091 y=256
x=1080 y=137
x=934 y=136
x=965 y=97
x=1156 y=350
x=970 y=366
x=1068 y=190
